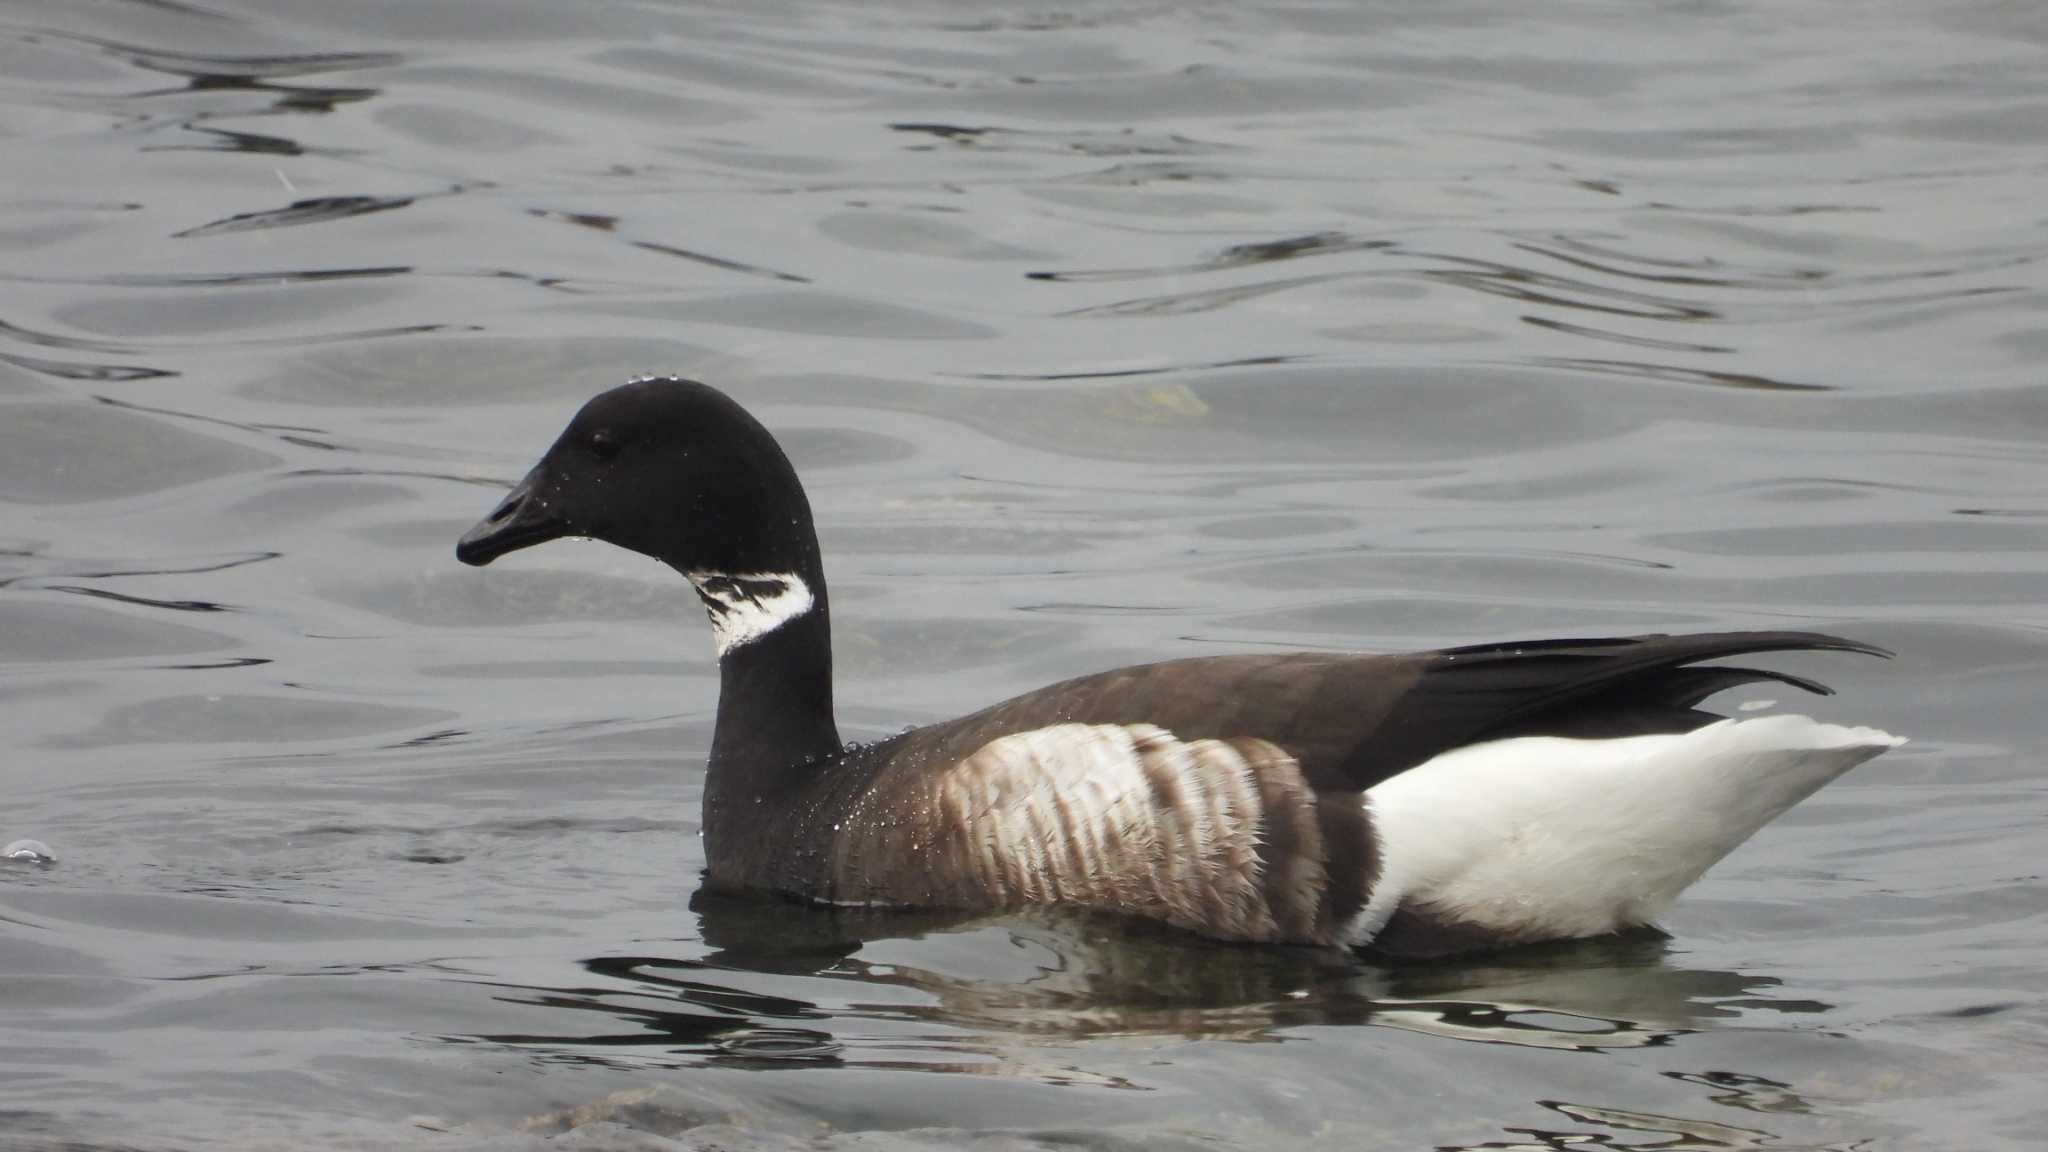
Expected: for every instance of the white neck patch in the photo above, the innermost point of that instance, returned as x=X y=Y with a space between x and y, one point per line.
x=745 y=606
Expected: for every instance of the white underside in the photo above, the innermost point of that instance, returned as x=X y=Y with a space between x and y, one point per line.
x=740 y=619
x=1548 y=837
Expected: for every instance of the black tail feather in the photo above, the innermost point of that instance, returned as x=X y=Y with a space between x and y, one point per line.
x=1615 y=686
x=1665 y=649
x=1689 y=686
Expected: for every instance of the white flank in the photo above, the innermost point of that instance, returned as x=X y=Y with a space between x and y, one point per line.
x=745 y=606
x=1547 y=837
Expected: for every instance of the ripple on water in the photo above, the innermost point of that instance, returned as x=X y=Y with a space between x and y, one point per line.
x=732 y=68
x=902 y=232
x=461 y=129
x=458 y=598
x=34 y=631
x=810 y=313
x=271 y=721
x=436 y=371
x=68 y=453
x=238 y=310
x=932 y=645
x=292 y=503
x=556 y=93
x=1373 y=621
x=1974 y=535
x=1213 y=89
x=1231 y=414
x=16 y=380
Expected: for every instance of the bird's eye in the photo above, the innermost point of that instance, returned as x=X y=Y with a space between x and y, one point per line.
x=603 y=444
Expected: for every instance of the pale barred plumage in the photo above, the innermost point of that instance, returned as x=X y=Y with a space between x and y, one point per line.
x=1130 y=818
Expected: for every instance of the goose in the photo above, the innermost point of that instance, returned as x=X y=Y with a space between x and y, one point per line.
x=1417 y=805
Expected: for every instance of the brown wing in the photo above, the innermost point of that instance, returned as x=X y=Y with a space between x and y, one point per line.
x=1217 y=836
x=1353 y=721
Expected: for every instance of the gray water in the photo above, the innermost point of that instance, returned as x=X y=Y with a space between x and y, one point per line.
x=1101 y=332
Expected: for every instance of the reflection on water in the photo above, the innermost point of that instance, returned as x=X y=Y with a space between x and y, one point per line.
x=1622 y=1128
x=1750 y=1093
x=880 y=987
x=790 y=988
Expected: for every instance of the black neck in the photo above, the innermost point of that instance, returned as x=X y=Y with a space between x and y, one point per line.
x=775 y=723
x=775 y=698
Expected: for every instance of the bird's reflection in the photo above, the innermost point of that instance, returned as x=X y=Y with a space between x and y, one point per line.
x=1622 y=1129
x=780 y=985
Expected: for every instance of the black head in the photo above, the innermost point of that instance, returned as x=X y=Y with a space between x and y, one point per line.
x=670 y=468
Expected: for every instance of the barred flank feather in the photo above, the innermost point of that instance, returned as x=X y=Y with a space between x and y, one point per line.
x=1212 y=835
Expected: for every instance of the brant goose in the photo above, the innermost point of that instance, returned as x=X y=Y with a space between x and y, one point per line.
x=1417 y=804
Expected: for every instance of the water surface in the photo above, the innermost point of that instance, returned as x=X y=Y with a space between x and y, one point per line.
x=1101 y=332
